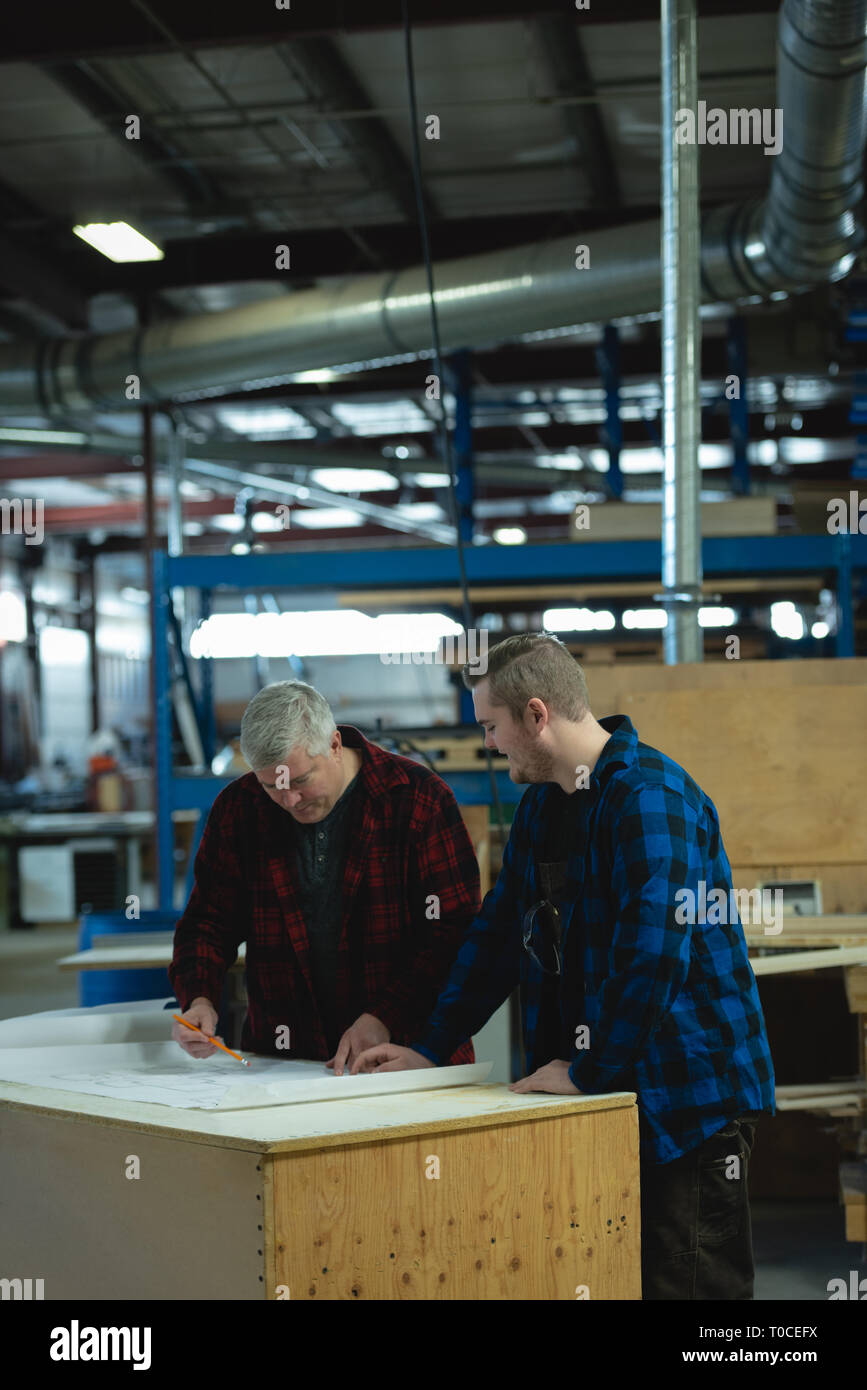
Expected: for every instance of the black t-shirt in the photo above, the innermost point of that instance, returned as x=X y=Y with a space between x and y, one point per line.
x=562 y=1007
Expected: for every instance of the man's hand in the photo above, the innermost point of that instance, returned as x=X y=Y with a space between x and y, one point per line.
x=366 y=1032
x=389 y=1057
x=553 y=1078
x=203 y=1014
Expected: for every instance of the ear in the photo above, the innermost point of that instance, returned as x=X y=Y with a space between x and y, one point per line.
x=537 y=710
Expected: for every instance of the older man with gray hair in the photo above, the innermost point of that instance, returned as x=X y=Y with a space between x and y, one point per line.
x=349 y=873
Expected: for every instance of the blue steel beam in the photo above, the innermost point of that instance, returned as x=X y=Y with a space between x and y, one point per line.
x=163 y=730
x=465 y=483
x=576 y=562
x=739 y=415
x=845 y=637
x=608 y=363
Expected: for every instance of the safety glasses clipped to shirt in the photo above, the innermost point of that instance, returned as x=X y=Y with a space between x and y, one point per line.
x=542 y=926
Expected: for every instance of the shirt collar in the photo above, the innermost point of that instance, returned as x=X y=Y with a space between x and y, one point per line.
x=621 y=750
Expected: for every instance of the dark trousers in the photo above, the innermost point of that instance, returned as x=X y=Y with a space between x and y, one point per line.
x=696 y=1236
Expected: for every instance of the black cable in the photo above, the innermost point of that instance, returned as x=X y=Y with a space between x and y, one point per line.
x=445 y=442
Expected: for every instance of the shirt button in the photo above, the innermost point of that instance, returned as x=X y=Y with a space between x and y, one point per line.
x=321 y=858
x=322 y=834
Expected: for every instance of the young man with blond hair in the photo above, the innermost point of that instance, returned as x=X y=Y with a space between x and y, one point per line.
x=618 y=992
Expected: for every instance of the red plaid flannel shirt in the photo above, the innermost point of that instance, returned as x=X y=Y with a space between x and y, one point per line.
x=407 y=842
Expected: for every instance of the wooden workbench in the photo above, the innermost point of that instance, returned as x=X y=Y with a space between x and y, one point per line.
x=536 y=1197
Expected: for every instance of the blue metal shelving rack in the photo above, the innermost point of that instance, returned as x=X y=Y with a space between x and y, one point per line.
x=837 y=556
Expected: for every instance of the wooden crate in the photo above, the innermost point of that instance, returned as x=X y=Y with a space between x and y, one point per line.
x=329 y=1200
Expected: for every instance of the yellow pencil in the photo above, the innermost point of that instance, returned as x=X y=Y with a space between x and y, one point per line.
x=242 y=1060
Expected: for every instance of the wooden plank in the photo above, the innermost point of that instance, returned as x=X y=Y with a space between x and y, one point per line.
x=828 y=930
x=849 y=1101
x=184 y=1229
x=809 y=960
x=815 y=1088
x=622 y=521
x=529 y=1212
x=400 y=600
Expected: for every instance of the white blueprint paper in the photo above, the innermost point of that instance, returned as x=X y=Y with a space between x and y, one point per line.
x=161 y=1073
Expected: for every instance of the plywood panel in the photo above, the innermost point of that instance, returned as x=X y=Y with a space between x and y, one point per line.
x=784 y=767
x=187 y=1228
x=529 y=1211
x=609 y=686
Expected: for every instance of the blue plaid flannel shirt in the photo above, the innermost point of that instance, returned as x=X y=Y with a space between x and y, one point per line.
x=672 y=1009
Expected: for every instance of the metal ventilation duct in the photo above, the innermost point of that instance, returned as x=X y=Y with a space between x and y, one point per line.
x=805 y=232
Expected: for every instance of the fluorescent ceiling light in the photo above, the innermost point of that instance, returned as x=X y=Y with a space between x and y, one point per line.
x=577 y=620
x=355 y=479
x=119 y=241
x=645 y=617
x=340 y=632
x=429 y=479
x=510 y=535
x=787 y=621
x=267 y=521
x=716 y=617
x=16 y=436
x=421 y=511
x=320 y=518
x=323 y=374
x=268 y=419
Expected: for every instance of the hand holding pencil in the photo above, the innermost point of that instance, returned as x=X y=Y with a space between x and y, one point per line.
x=194 y=1032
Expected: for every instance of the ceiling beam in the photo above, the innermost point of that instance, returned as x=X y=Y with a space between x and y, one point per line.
x=59 y=30
x=105 y=101
x=560 y=38
x=318 y=66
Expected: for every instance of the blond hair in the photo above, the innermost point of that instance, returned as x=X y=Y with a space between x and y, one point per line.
x=533 y=664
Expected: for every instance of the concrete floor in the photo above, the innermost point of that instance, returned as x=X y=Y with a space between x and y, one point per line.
x=798 y=1246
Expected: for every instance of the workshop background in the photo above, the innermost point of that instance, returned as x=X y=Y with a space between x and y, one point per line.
x=232 y=453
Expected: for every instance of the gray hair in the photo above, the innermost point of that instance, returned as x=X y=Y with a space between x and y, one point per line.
x=279 y=718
